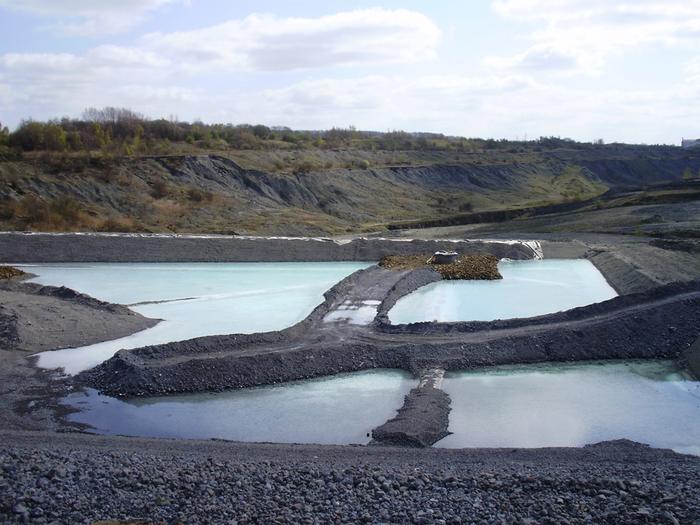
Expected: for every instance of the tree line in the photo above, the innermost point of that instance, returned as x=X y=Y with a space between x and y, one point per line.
x=121 y=131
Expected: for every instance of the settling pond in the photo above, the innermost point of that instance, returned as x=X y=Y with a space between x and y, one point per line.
x=526 y=406
x=528 y=289
x=334 y=410
x=573 y=404
x=192 y=299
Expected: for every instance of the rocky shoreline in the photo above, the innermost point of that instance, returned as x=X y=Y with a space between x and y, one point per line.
x=466 y=267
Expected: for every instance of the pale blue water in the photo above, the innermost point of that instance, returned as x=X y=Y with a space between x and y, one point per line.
x=574 y=404
x=337 y=410
x=528 y=288
x=204 y=299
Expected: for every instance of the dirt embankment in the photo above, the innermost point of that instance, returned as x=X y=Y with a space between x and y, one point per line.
x=658 y=323
x=74 y=247
x=215 y=194
x=34 y=318
x=466 y=267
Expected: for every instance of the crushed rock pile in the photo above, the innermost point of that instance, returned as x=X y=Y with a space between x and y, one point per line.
x=8 y=272
x=467 y=267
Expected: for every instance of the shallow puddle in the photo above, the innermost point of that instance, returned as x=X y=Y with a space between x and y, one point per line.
x=196 y=299
x=572 y=405
x=528 y=288
x=335 y=410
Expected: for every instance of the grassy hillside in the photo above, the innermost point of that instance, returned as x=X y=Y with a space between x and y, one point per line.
x=76 y=175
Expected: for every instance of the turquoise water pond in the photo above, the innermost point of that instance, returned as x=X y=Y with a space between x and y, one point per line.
x=528 y=288
x=199 y=299
x=650 y=402
x=332 y=410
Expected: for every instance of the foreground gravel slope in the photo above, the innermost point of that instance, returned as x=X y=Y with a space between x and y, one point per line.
x=73 y=478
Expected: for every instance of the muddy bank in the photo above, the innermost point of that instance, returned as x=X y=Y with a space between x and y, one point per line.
x=94 y=247
x=30 y=396
x=34 y=318
x=621 y=274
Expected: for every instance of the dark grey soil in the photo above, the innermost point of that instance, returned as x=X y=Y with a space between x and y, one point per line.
x=71 y=479
x=420 y=422
x=34 y=318
x=659 y=323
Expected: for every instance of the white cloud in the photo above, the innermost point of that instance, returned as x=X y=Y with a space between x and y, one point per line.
x=583 y=34
x=160 y=61
x=42 y=85
x=27 y=70
x=160 y=65
x=487 y=106
x=539 y=58
x=692 y=70
x=502 y=105
x=196 y=73
x=270 y=43
x=89 y=17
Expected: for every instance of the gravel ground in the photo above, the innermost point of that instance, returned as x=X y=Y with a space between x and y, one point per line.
x=34 y=318
x=72 y=478
x=75 y=478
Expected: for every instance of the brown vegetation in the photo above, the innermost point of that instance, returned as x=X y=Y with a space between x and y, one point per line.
x=467 y=267
x=8 y=272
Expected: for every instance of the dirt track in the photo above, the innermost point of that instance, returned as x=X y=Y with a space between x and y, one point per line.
x=659 y=323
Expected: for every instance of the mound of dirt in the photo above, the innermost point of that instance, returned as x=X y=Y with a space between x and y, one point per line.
x=466 y=267
x=8 y=272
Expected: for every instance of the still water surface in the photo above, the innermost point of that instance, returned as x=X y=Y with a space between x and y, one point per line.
x=528 y=288
x=574 y=404
x=333 y=410
x=200 y=299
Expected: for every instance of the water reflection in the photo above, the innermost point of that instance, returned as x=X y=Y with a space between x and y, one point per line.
x=528 y=288
x=202 y=299
x=571 y=405
x=335 y=410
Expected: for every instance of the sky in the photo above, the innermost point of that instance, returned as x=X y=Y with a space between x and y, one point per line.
x=621 y=71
